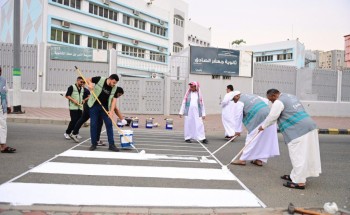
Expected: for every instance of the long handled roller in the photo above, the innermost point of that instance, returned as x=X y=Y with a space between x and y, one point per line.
x=246 y=145
x=211 y=154
x=113 y=122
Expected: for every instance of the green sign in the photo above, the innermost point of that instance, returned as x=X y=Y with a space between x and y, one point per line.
x=71 y=53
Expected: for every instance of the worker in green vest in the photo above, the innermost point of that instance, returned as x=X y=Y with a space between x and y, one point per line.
x=104 y=89
x=74 y=95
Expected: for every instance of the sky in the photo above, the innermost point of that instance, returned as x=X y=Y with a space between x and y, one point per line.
x=319 y=24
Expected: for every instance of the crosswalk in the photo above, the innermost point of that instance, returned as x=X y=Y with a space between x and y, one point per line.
x=163 y=171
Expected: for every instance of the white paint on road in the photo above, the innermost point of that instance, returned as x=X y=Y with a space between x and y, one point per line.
x=60 y=194
x=134 y=171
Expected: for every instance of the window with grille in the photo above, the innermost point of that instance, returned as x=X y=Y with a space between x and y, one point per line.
x=179 y=21
x=177 y=47
x=65 y=36
x=100 y=44
x=158 y=30
x=103 y=12
x=126 y=19
x=133 y=51
x=157 y=57
x=70 y=3
x=140 y=24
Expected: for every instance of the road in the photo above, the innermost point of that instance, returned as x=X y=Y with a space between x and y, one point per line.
x=37 y=144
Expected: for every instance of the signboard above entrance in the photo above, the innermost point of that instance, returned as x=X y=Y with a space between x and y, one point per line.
x=214 y=61
x=78 y=54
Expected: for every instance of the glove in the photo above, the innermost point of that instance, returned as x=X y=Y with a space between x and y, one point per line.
x=124 y=122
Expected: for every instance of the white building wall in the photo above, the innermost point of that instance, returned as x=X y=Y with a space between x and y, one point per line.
x=289 y=46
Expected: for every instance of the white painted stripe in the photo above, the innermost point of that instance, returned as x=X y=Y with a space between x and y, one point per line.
x=159 y=145
x=134 y=171
x=123 y=155
x=56 y=194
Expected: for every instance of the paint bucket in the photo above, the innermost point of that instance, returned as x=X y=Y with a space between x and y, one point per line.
x=124 y=139
x=134 y=122
x=119 y=123
x=149 y=123
x=169 y=124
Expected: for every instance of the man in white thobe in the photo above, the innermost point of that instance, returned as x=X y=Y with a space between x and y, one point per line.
x=252 y=111
x=227 y=106
x=299 y=133
x=4 y=109
x=193 y=109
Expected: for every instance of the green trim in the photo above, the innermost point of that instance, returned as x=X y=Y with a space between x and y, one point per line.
x=293 y=120
x=253 y=111
x=16 y=72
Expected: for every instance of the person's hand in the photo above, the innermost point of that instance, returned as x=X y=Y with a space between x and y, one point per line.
x=8 y=109
x=260 y=128
x=203 y=117
x=238 y=134
x=180 y=115
x=110 y=114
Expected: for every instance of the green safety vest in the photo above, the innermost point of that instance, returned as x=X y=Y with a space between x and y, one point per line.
x=77 y=96
x=98 y=89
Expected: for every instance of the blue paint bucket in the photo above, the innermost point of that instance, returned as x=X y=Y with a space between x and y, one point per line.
x=126 y=139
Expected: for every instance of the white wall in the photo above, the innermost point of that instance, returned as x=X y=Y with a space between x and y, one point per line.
x=214 y=90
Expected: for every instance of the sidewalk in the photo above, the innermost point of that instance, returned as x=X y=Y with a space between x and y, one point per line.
x=326 y=125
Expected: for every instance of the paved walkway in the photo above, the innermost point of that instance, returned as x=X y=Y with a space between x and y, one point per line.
x=212 y=122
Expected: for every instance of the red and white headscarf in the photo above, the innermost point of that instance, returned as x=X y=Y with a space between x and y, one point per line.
x=194 y=83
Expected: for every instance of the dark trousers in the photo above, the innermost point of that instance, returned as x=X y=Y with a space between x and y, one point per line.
x=97 y=112
x=74 y=117
x=85 y=117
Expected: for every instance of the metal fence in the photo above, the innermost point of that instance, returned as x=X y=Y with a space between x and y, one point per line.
x=29 y=68
x=308 y=84
x=60 y=74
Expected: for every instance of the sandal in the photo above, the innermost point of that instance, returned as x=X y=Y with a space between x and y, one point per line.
x=241 y=163
x=294 y=185
x=8 y=149
x=256 y=162
x=286 y=177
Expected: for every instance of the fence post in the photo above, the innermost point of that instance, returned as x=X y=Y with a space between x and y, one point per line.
x=112 y=64
x=340 y=74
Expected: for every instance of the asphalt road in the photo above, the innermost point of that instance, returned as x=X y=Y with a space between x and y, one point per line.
x=39 y=143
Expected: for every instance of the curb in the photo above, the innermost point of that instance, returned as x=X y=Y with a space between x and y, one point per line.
x=333 y=131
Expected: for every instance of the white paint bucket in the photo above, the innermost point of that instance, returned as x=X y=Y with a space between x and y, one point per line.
x=126 y=139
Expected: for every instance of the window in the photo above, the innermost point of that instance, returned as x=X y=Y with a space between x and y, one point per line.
x=103 y=12
x=189 y=38
x=177 y=47
x=157 y=57
x=179 y=21
x=132 y=51
x=264 y=58
x=158 y=30
x=100 y=44
x=140 y=24
x=70 y=3
x=65 y=36
x=126 y=19
x=287 y=56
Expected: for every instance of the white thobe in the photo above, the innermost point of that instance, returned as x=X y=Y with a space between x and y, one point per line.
x=304 y=151
x=261 y=146
x=227 y=116
x=3 y=123
x=194 y=127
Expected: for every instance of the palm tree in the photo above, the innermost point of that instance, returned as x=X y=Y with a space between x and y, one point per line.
x=238 y=42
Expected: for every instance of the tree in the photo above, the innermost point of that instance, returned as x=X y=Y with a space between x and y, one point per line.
x=238 y=42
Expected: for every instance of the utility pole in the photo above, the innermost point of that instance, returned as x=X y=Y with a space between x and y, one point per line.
x=16 y=72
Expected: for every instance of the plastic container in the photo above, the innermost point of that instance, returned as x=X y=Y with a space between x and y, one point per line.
x=135 y=123
x=149 y=123
x=126 y=139
x=169 y=124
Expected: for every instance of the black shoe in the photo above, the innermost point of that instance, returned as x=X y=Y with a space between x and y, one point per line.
x=205 y=141
x=113 y=148
x=227 y=137
x=92 y=147
x=188 y=141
